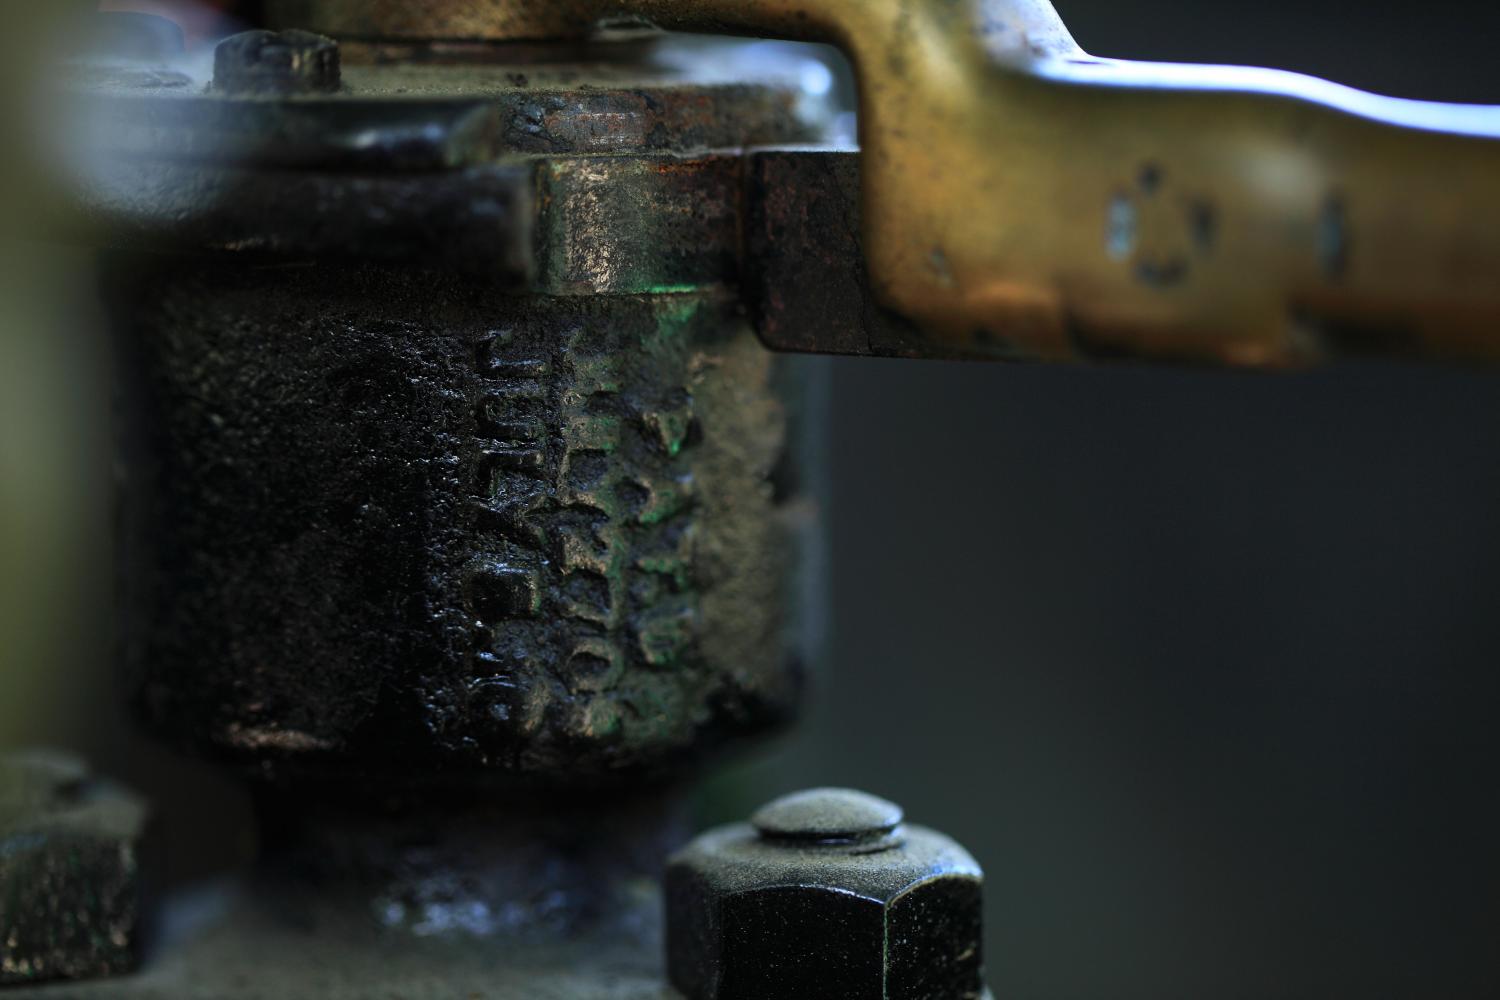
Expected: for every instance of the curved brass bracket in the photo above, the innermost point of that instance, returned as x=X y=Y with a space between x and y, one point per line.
x=1023 y=197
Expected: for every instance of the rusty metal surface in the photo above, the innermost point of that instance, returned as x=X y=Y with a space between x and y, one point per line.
x=1023 y=198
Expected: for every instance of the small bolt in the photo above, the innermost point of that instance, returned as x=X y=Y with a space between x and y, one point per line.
x=825 y=894
x=276 y=62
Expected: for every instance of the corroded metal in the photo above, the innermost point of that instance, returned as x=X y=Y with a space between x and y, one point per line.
x=394 y=521
x=72 y=868
x=827 y=895
x=1024 y=198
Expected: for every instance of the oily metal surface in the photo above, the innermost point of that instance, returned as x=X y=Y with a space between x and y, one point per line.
x=390 y=521
x=1023 y=198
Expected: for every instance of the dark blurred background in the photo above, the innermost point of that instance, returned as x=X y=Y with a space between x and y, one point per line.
x=1201 y=666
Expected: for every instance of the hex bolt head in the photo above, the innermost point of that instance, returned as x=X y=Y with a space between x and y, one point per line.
x=825 y=894
x=276 y=62
x=71 y=857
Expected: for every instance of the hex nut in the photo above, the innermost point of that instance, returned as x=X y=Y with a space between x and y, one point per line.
x=829 y=898
x=276 y=62
x=71 y=850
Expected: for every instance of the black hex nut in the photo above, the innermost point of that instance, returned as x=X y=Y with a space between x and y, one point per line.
x=276 y=62
x=71 y=871
x=827 y=895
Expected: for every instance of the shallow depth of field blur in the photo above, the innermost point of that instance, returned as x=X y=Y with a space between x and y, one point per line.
x=1200 y=666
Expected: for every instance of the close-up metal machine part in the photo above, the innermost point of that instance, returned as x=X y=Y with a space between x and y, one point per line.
x=465 y=508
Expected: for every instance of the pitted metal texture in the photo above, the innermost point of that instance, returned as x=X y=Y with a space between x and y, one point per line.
x=387 y=519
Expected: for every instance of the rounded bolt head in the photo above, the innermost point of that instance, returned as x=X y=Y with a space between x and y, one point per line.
x=276 y=62
x=822 y=815
x=825 y=896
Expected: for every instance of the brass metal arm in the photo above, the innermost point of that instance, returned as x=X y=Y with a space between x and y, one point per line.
x=1021 y=196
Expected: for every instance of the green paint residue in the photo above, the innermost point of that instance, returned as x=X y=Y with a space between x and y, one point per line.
x=664 y=504
x=663 y=641
x=594 y=433
x=674 y=323
x=675 y=568
x=671 y=427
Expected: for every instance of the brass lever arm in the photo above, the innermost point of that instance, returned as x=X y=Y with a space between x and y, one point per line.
x=1021 y=196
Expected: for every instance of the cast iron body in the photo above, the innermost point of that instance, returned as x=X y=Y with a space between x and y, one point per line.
x=460 y=502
